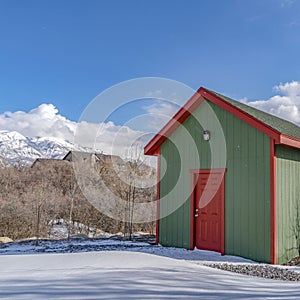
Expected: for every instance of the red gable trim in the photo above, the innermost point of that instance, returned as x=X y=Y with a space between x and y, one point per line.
x=196 y=100
x=173 y=124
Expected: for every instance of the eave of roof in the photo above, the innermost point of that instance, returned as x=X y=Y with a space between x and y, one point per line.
x=152 y=148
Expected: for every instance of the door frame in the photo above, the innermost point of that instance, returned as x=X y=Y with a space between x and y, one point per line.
x=194 y=174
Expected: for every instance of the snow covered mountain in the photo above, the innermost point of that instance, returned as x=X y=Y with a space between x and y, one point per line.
x=16 y=149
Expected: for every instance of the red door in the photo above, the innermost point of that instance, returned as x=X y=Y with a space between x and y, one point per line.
x=209 y=210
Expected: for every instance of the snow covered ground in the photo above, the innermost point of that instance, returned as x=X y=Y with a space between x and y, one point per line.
x=128 y=275
x=110 y=269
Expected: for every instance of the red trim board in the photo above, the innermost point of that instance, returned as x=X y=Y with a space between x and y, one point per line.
x=273 y=258
x=289 y=141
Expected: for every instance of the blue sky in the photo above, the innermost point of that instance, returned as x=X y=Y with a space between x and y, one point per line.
x=67 y=52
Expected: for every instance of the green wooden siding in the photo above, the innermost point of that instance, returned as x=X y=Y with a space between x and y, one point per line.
x=288 y=202
x=247 y=181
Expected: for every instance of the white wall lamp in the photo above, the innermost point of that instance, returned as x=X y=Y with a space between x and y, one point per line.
x=206 y=135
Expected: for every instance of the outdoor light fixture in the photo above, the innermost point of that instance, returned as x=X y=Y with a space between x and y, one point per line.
x=206 y=135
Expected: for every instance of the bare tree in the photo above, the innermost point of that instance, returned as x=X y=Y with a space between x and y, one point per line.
x=132 y=190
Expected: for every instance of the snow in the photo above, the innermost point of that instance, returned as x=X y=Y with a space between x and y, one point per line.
x=128 y=275
x=59 y=229
x=139 y=271
x=16 y=148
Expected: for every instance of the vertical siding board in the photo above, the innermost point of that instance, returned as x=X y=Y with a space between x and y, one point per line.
x=176 y=225
x=260 y=205
x=185 y=226
x=173 y=224
x=166 y=185
x=170 y=175
x=237 y=185
x=162 y=204
x=179 y=216
x=259 y=212
x=184 y=216
x=256 y=196
x=244 y=232
x=229 y=184
x=176 y=214
x=180 y=220
x=251 y=189
x=267 y=197
x=278 y=206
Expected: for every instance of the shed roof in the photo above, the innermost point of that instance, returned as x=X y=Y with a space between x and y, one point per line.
x=282 y=131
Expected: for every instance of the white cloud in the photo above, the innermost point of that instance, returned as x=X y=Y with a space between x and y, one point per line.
x=45 y=121
x=41 y=121
x=286 y=104
x=161 y=111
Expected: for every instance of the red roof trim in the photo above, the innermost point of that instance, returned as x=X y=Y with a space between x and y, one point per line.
x=193 y=180
x=194 y=102
x=173 y=124
x=289 y=141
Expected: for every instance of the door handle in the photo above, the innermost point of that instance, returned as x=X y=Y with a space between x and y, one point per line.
x=196 y=215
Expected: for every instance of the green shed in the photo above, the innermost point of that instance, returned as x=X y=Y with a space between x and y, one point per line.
x=229 y=179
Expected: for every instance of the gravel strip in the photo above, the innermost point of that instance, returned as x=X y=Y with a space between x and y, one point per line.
x=265 y=271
